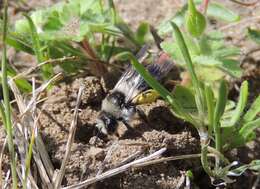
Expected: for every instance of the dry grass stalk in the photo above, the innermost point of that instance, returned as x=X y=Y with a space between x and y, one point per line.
x=6 y=183
x=38 y=66
x=1 y=160
x=116 y=171
x=25 y=123
x=72 y=130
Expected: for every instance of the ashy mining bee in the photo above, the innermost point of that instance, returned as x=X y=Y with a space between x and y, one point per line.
x=119 y=103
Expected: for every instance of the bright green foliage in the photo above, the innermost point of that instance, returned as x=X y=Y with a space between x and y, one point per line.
x=59 y=31
x=254 y=35
x=223 y=123
x=209 y=54
x=38 y=50
x=70 y=21
x=215 y=10
x=195 y=21
x=220 y=12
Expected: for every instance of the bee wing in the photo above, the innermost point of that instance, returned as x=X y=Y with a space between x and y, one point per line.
x=132 y=83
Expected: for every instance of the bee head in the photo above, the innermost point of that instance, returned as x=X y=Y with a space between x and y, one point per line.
x=106 y=123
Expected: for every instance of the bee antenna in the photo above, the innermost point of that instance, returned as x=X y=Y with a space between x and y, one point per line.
x=142 y=53
x=156 y=37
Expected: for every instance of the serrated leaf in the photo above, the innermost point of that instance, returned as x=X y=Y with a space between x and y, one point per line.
x=203 y=73
x=254 y=35
x=205 y=45
x=206 y=60
x=72 y=20
x=226 y=52
x=241 y=104
x=231 y=67
x=253 y=111
x=218 y=11
x=165 y=27
x=185 y=98
x=85 y=5
x=175 y=52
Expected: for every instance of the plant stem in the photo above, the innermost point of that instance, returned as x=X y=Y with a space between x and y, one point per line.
x=197 y=86
x=217 y=141
x=8 y=126
x=204 y=160
x=28 y=159
x=219 y=110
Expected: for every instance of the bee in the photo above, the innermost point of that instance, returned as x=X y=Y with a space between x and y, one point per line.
x=119 y=104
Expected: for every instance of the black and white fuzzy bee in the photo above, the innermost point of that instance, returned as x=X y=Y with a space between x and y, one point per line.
x=118 y=104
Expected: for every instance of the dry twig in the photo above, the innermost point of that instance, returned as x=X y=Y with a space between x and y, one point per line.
x=116 y=171
x=38 y=66
x=25 y=123
x=72 y=130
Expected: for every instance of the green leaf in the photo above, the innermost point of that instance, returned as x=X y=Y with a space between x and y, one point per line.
x=19 y=44
x=218 y=11
x=231 y=67
x=203 y=74
x=205 y=45
x=165 y=27
x=226 y=52
x=46 y=69
x=254 y=35
x=15 y=40
x=253 y=111
x=128 y=33
x=206 y=60
x=241 y=103
x=142 y=32
x=185 y=97
x=248 y=129
x=174 y=50
x=215 y=10
x=185 y=53
x=22 y=84
x=195 y=21
x=221 y=101
x=254 y=166
x=210 y=107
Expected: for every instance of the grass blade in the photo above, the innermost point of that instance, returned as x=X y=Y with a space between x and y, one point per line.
x=47 y=69
x=186 y=56
x=253 y=111
x=210 y=107
x=7 y=108
x=165 y=94
x=219 y=110
x=249 y=128
x=241 y=103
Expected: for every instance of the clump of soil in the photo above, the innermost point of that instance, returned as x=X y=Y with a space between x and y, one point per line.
x=161 y=129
